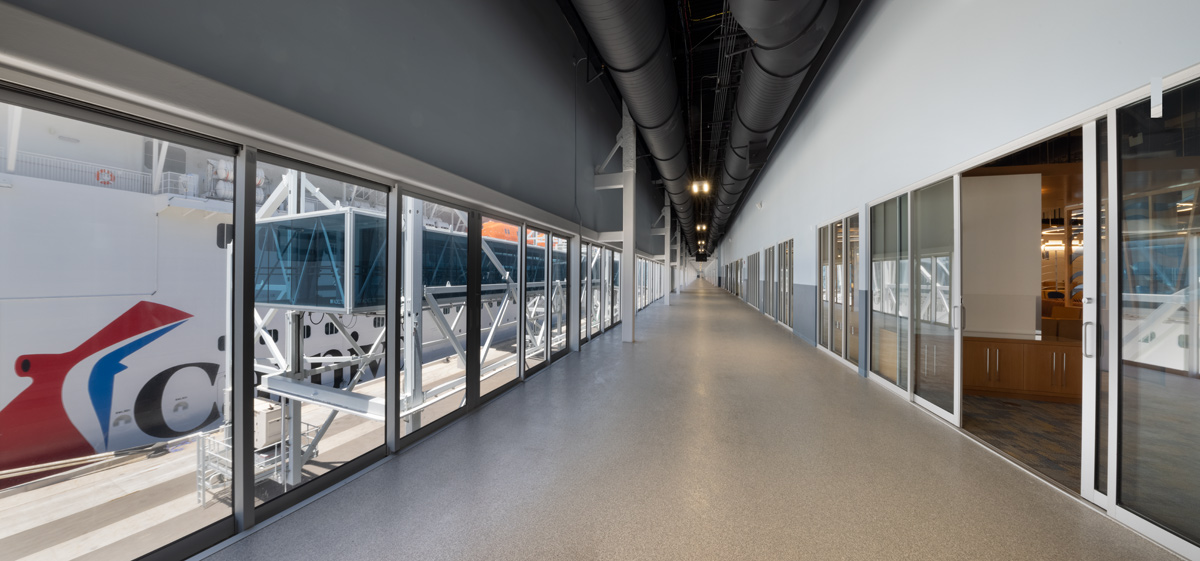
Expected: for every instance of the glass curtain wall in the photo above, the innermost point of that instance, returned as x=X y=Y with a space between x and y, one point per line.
x=608 y=288
x=536 y=328
x=501 y=306
x=615 y=293
x=559 y=295
x=584 y=294
x=320 y=295
x=150 y=312
x=1159 y=352
x=437 y=388
x=598 y=287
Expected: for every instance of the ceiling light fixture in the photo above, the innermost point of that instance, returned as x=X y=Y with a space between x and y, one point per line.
x=695 y=186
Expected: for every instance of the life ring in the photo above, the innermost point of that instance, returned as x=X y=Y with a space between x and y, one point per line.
x=105 y=177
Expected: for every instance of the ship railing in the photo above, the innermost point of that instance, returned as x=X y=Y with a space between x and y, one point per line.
x=214 y=462
x=77 y=172
x=55 y=168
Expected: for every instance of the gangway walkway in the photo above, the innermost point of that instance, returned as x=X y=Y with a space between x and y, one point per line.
x=718 y=435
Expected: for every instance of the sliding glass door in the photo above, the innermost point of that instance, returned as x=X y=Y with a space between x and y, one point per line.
x=936 y=330
x=1157 y=342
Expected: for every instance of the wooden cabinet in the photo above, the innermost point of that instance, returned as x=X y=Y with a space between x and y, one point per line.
x=992 y=364
x=1054 y=369
x=1009 y=366
x=1042 y=363
x=976 y=364
x=1047 y=370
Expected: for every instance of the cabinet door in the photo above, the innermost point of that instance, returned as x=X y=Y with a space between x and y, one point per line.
x=1070 y=365
x=976 y=367
x=1043 y=368
x=1008 y=366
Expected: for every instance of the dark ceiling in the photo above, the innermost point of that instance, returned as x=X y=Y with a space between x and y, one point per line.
x=708 y=47
x=703 y=33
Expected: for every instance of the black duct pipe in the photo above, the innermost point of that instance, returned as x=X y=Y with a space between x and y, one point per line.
x=787 y=36
x=632 y=37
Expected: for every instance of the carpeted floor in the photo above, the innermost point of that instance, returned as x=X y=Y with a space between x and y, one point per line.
x=1044 y=436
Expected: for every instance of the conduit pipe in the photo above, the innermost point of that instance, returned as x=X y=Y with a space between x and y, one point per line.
x=632 y=37
x=787 y=36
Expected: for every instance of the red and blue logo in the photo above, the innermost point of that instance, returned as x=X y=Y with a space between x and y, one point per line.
x=42 y=424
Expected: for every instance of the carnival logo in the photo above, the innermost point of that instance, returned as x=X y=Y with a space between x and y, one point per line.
x=40 y=425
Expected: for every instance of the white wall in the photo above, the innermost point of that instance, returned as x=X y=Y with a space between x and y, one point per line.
x=1001 y=255
x=920 y=86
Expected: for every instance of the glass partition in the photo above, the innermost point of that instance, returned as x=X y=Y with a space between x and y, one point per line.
x=1159 y=263
x=113 y=338
x=889 y=291
x=933 y=234
x=824 y=311
x=500 y=313
x=1103 y=323
x=837 y=288
x=852 y=289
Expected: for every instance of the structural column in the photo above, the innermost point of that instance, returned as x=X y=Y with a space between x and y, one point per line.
x=628 y=224
x=665 y=282
x=574 y=246
x=414 y=301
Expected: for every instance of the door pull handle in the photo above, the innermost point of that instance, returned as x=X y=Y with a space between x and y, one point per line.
x=1086 y=339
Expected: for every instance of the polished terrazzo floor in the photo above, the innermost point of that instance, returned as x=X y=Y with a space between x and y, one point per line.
x=718 y=435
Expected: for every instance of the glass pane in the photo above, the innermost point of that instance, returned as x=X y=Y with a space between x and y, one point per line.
x=851 y=289
x=933 y=228
x=824 y=322
x=584 y=293
x=500 y=313
x=118 y=274
x=889 y=290
x=838 y=288
x=558 y=295
x=616 y=287
x=597 y=288
x=439 y=386
x=1102 y=309
x=536 y=328
x=321 y=242
x=1160 y=325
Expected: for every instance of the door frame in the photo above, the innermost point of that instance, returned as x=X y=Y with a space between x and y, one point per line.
x=1091 y=324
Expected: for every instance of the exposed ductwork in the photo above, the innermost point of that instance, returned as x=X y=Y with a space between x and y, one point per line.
x=632 y=36
x=787 y=35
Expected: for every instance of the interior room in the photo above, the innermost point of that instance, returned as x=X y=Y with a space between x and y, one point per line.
x=1023 y=274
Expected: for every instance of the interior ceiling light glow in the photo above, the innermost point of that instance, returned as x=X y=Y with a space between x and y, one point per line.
x=705 y=186
x=695 y=187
